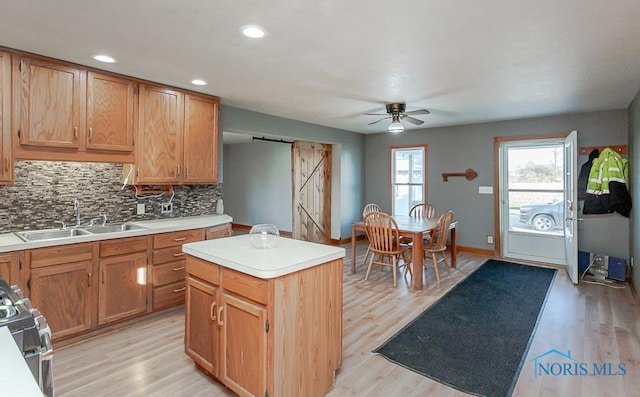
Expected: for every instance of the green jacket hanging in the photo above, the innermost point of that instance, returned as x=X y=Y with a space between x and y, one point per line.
x=608 y=167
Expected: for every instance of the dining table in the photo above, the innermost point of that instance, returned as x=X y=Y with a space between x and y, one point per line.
x=413 y=228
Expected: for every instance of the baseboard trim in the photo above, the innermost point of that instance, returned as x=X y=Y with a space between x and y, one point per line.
x=477 y=251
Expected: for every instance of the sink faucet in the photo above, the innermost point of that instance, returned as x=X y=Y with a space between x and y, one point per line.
x=102 y=218
x=76 y=208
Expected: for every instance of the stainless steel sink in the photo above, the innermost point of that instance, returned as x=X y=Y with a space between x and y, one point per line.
x=55 y=234
x=50 y=234
x=113 y=228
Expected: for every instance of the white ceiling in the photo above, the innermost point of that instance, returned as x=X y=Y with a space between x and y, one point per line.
x=329 y=61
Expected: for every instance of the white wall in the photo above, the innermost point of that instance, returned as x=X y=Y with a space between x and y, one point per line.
x=259 y=183
x=347 y=189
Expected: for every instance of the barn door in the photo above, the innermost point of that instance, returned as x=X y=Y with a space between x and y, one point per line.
x=312 y=192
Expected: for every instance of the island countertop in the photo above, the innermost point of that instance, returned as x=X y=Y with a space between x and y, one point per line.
x=288 y=256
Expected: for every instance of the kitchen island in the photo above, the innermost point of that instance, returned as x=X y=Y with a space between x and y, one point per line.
x=265 y=322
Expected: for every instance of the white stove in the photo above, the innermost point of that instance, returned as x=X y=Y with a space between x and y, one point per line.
x=30 y=332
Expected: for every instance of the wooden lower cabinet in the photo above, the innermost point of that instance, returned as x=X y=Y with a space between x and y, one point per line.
x=61 y=286
x=62 y=293
x=201 y=332
x=275 y=337
x=243 y=346
x=122 y=290
x=82 y=287
x=10 y=267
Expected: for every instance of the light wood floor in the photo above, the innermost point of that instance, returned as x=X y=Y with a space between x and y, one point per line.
x=598 y=324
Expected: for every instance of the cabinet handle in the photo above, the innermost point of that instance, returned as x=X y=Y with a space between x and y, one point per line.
x=102 y=276
x=179 y=239
x=186 y=170
x=89 y=279
x=177 y=269
x=212 y=313
x=220 y=323
x=179 y=289
x=179 y=254
x=178 y=170
x=6 y=164
x=90 y=133
x=75 y=132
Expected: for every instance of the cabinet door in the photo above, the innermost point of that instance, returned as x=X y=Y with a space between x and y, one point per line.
x=110 y=110
x=63 y=294
x=200 y=139
x=243 y=363
x=160 y=133
x=201 y=336
x=49 y=108
x=9 y=267
x=123 y=288
x=6 y=165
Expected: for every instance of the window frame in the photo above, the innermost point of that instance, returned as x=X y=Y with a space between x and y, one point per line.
x=392 y=184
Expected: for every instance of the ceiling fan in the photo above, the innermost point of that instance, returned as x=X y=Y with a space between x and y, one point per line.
x=396 y=112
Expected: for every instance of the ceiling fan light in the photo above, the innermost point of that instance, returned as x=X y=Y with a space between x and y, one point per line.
x=395 y=126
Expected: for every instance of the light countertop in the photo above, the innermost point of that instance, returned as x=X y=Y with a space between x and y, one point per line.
x=11 y=242
x=288 y=256
x=16 y=378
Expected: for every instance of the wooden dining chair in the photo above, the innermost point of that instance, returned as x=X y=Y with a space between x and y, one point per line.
x=423 y=210
x=369 y=208
x=438 y=244
x=386 y=250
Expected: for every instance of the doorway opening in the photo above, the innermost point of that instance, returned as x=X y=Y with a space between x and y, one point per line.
x=532 y=197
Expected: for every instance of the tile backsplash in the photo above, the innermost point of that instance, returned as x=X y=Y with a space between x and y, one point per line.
x=44 y=192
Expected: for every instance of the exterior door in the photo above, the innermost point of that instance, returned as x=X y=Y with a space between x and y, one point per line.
x=532 y=199
x=311 y=192
x=570 y=203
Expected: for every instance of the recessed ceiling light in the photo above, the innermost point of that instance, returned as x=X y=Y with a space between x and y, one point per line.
x=104 y=58
x=253 y=31
x=198 y=82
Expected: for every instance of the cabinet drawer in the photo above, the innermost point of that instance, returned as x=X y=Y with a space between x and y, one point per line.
x=203 y=270
x=169 y=254
x=244 y=285
x=169 y=295
x=61 y=254
x=123 y=246
x=177 y=238
x=168 y=273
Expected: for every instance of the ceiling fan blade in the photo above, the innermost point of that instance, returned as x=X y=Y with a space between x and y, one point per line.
x=377 y=121
x=412 y=120
x=419 y=111
x=375 y=114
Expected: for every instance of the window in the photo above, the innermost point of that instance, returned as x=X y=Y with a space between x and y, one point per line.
x=408 y=178
x=535 y=188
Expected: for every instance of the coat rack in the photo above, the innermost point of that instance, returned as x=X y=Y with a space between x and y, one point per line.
x=585 y=150
x=470 y=174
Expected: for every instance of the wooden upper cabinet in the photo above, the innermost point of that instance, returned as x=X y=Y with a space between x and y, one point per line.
x=200 y=139
x=110 y=113
x=160 y=132
x=6 y=164
x=49 y=103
